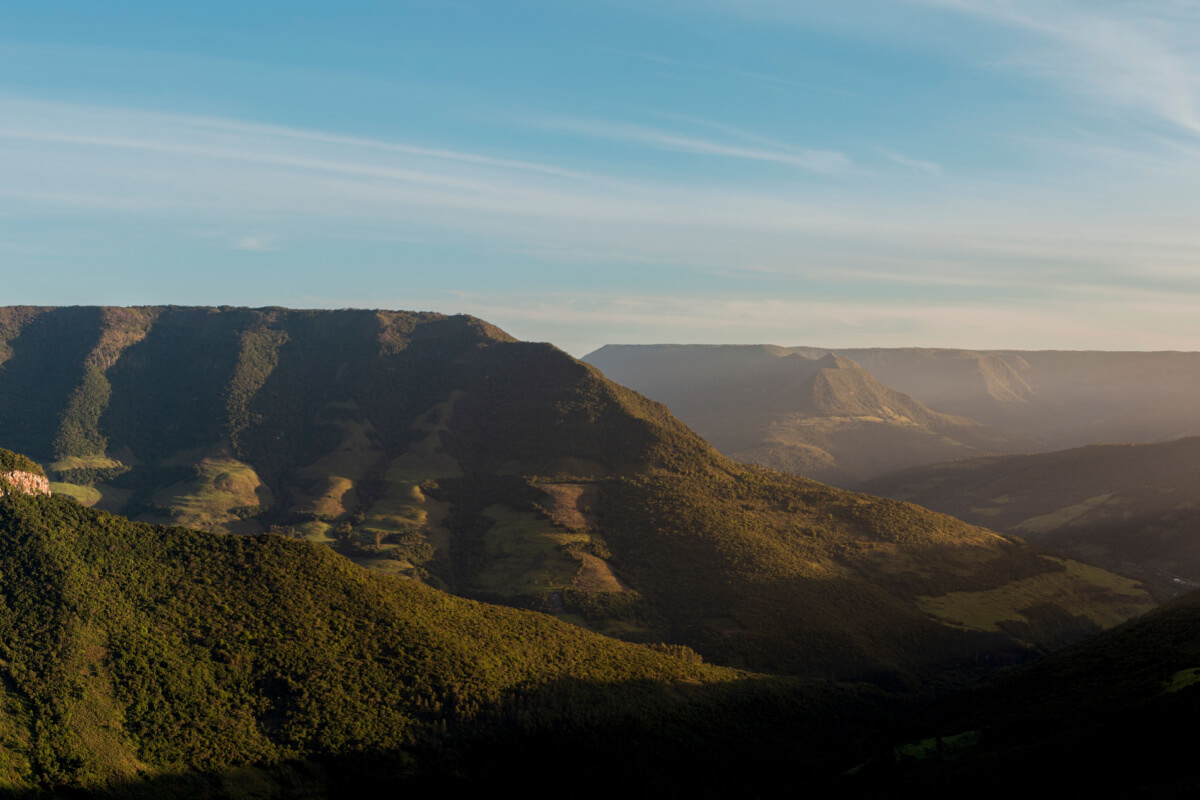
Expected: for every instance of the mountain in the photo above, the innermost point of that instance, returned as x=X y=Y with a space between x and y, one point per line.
x=1133 y=508
x=441 y=449
x=1107 y=718
x=158 y=661
x=824 y=416
x=1036 y=400
x=1058 y=399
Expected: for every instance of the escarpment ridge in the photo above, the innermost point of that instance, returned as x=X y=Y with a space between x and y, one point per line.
x=442 y=450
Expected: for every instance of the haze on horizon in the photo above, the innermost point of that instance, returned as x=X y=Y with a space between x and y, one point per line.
x=964 y=173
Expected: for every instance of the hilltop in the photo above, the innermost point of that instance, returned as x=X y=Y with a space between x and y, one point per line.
x=441 y=449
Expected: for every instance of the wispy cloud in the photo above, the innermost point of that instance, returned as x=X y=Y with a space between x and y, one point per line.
x=118 y=158
x=720 y=69
x=810 y=159
x=318 y=137
x=865 y=234
x=255 y=244
x=928 y=167
x=1140 y=56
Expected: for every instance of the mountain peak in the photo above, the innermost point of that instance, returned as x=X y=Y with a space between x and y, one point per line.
x=834 y=361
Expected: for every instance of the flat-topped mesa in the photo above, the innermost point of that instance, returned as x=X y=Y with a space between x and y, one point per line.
x=21 y=474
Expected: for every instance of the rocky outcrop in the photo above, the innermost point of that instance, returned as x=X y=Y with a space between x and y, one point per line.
x=24 y=482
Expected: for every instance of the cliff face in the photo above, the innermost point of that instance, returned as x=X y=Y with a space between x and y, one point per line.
x=24 y=482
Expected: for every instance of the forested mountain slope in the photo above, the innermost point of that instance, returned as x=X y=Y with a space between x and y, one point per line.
x=442 y=449
x=136 y=657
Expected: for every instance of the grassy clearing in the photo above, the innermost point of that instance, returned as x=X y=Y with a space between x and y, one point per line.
x=595 y=575
x=332 y=478
x=527 y=554
x=1100 y=577
x=403 y=507
x=1182 y=679
x=207 y=501
x=623 y=629
x=85 y=462
x=1056 y=519
x=1075 y=589
x=329 y=496
x=570 y=504
x=406 y=520
x=314 y=531
x=84 y=495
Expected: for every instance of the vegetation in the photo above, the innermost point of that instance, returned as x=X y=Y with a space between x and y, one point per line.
x=440 y=449
x=132 y=653
x=84 y=495
x=15 y=462
x=1103 y=717
x=1131 y=508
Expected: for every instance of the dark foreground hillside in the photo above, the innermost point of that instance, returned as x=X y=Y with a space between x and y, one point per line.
x=1111 y=717
x=441 y=449
x=169 y=662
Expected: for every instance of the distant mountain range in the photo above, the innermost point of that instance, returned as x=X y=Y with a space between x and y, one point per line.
x=1060 y=399
x=442 y=450
x=822 y=416
x=889 y=408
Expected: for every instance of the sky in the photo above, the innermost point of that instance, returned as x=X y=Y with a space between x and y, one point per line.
x=955 y=173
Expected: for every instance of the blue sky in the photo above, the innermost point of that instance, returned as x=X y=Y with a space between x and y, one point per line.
x=870 y=172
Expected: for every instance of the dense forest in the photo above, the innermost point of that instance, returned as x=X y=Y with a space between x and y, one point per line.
x=147 y=659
